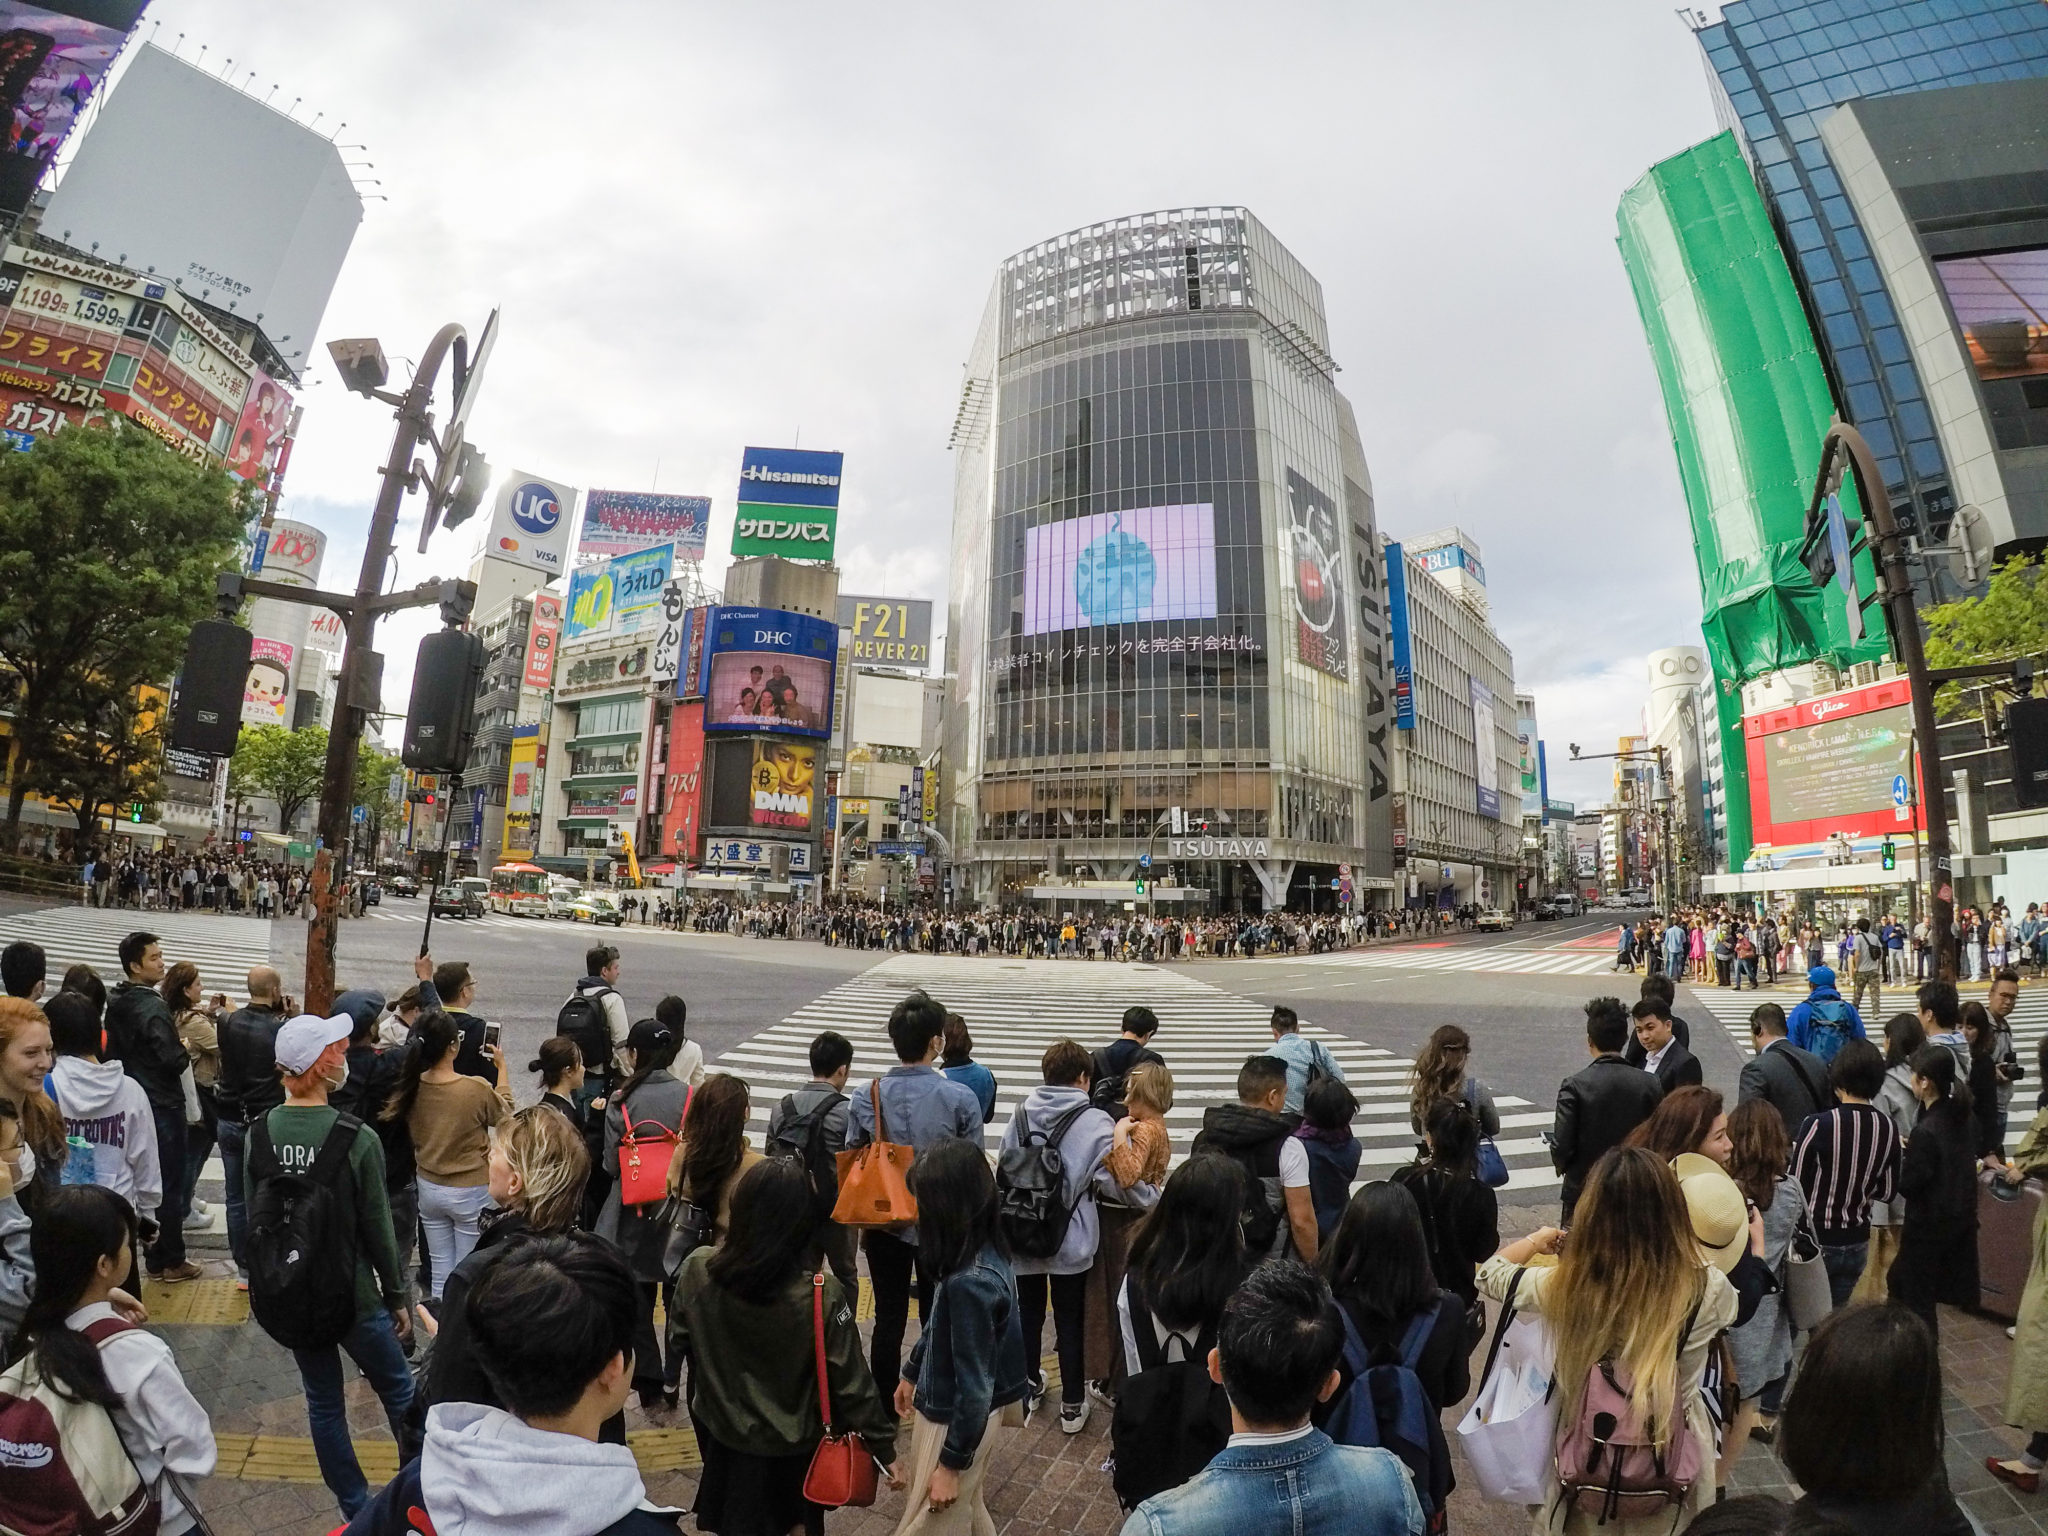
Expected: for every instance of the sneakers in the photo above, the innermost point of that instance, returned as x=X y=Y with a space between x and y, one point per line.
x=1074 y=1416
x=199 y=1221
x=177 y=1272
x=201 y=1208
x=1034 y=1393
x=1103 y=1393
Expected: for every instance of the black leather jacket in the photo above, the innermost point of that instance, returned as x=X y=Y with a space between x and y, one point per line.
x=248 y=1084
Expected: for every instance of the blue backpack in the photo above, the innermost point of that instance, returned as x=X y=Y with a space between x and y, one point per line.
x=1827 y=1027
x=1385 y=1406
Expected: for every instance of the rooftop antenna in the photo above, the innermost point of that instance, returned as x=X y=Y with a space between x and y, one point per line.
x=273 y=92
x=180 y=44
x=293 y=108
x=200 y=58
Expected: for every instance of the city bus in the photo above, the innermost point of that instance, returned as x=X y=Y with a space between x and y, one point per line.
x=521 y=889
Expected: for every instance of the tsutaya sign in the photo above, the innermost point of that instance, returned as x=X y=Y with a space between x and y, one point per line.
x=1218 y=848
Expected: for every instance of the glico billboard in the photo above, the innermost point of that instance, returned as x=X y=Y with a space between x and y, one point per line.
x=1843 y=762
x=764 y=669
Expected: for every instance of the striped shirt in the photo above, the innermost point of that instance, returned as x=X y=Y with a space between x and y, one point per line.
x=1846 y=1158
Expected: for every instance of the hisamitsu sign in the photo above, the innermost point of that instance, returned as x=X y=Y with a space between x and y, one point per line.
x=788 y=503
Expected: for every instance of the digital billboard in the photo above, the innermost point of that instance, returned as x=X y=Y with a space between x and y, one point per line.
x=52 y=59
x=2001 y=304
x=1318 y=578
x=1840 y=763
x=619 y=522
x=1132 y=567
x=769 y=670
x=788 y=503
x=784 y=774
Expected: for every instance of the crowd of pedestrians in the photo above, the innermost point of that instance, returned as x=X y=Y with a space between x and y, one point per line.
x=1275 y=1344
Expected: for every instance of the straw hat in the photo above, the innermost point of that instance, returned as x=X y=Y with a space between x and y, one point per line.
x=1720 y=1216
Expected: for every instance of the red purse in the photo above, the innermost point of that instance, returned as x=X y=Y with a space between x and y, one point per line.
x=842 y=1472
x=645 y=1152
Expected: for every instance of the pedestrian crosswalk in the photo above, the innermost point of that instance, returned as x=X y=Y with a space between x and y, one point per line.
x=415 y=912
x=224 y=948
x=1016 y=1008
x=1467 y=959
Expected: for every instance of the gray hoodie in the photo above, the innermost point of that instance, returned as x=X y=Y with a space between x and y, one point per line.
x=485 y=1473
x=1083 y=1175
x=109 y=1110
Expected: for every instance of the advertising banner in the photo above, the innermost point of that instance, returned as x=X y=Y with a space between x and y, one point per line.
x=668 y=638
x=256 y=450
x=685 y=779
x=267 y=695
x=1485 y=750
x=1319 y=601
x=931 y=793
x=600 y=669
x=619 y=522
x=603 y=799
x=739 y=853
x=690 y=675
x=788 y=503
x=769 y=670
x=1397 y=622
x=55 y=60
x=1132 y=567
x=523 y=770
x=591 y=607
x=530 y=520
x=543 y=638
x=784 y=774
x=1828 y=764
x=888 y=631
x=637 y=580
x=1525 y=742
x=903 y=817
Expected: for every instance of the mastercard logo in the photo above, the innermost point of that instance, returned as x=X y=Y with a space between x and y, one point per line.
x=508 y=542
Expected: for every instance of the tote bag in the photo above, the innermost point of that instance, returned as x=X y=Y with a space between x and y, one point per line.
x=1510 y=1432
x=1808 y=1297
x=874 y=1180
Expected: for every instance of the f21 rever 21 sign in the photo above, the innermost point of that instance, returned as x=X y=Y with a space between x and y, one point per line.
x=887 y=631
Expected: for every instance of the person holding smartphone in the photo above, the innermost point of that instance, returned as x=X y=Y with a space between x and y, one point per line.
x=450 y=1115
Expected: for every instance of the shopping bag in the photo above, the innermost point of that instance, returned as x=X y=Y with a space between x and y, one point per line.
x=1510 y=1432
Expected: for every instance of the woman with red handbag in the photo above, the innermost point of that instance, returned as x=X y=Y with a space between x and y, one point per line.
x=968 y=1364
x=782 y=1400
x=642 y=1130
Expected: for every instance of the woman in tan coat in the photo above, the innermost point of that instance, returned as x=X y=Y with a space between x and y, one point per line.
x=2026 y=1392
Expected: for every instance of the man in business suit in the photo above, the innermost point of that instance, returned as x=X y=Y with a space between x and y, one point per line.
x=1663 y=1057
x=1659 y=986
x=1598 y=1105
x=1791 y=1081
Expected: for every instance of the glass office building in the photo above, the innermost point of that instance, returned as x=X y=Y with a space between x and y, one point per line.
x=1167 y=631
x=1782 y=68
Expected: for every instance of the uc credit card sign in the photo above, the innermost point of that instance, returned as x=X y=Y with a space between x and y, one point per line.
x=788 y=503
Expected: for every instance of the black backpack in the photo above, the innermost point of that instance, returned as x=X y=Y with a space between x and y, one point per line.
x=301 y=1243
x=1031 y=1198
x=802 y=1138
x=1107 y=1085
x=1170 y=1418
x=583 y=1020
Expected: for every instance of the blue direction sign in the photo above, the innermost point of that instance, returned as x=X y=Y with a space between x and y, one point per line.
x=1144 y=861
x=1899 y=790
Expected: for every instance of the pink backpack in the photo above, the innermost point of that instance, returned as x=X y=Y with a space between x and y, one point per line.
x=66 y=1471
x=1608 y=1461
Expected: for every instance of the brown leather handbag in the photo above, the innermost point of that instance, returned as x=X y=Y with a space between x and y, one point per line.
x=874 y=1180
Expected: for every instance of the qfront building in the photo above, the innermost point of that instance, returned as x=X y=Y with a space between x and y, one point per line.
x=1168 y=636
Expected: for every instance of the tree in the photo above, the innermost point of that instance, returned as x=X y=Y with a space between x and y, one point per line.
x=374 y=768
x=109 y=546
x=111 y=755
x=2010 y=619
x=285 y=765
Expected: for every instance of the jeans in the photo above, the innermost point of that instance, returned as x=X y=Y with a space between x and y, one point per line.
x=891 y=1263
x=1844 y=1265
x=168 y=1251
x=449 y=1214
x=1745 y=968
x=373 y=1345
x=1069 y=1300
x=229 y=1135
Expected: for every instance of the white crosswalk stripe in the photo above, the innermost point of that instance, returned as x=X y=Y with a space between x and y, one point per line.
x=224 y=948
x=1015 y=1009
x=1467 y=960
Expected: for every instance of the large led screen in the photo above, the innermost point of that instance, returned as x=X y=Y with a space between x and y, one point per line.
x=1128 y=567
x=2001 y=303
x=1840 y=768
x=785 y=773
x=52 y=58
x=769 y=691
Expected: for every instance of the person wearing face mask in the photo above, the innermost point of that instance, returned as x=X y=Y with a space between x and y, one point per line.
x=312 y=1058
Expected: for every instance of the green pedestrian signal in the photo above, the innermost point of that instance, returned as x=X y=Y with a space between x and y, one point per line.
x=135 y=812
x=1141 y=887
x=1891 y=854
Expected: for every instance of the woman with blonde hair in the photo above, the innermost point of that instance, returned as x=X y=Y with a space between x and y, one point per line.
x=1633 y=1292
x=1139 y=1151
x=1439 y=1073
x=537 y=1165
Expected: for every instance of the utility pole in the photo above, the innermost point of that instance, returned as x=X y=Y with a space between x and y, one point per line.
x=1844 y=448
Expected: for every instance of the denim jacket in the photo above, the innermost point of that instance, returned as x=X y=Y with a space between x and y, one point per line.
x=1309 y=1487
x=975 y=1360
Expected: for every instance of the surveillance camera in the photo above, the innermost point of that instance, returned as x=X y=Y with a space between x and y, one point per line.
x=360 y=360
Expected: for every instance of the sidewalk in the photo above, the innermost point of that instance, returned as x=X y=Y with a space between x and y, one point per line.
x=1041 y=1482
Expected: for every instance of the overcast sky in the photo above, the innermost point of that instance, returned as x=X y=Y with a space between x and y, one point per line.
x=717 y=225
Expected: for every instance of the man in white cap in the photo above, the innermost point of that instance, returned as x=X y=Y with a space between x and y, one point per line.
x=286 y=1147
